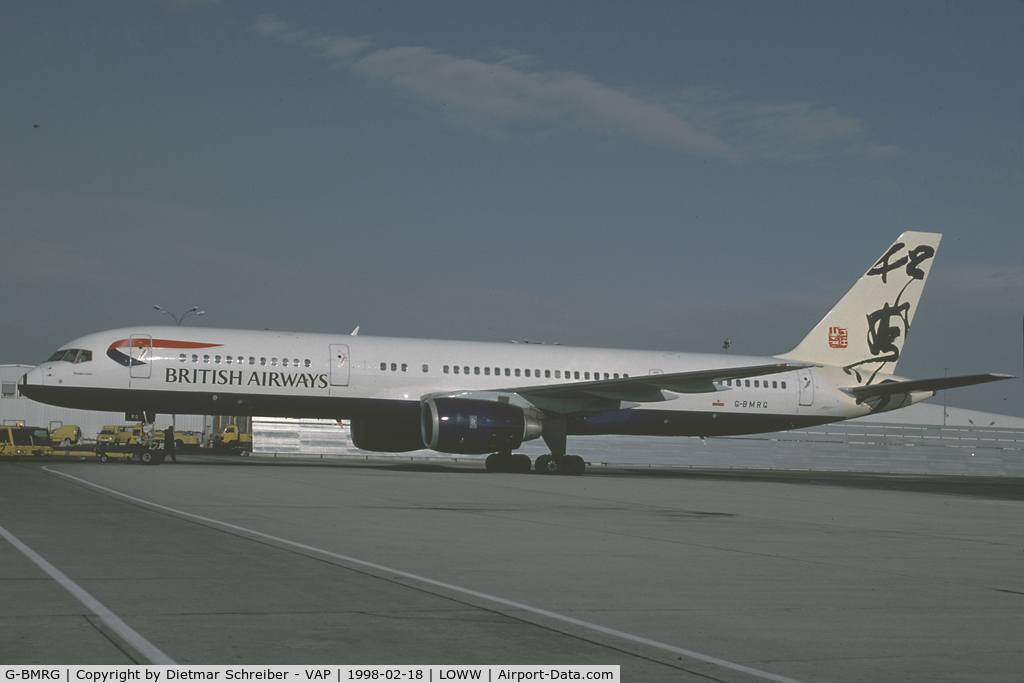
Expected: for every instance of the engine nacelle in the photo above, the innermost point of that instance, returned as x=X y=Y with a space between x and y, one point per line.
x=474 y=427
x=386 y=436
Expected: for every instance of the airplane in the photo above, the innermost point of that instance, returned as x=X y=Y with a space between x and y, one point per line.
x=477 y=398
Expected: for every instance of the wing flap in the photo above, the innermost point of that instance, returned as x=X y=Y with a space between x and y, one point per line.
x=651 y=388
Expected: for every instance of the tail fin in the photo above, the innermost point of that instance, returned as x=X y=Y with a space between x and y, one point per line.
x=865 y=331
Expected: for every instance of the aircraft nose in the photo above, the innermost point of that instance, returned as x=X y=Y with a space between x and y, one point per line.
x=32 y=378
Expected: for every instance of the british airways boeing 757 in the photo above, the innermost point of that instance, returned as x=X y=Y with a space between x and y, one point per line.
x=487 y=398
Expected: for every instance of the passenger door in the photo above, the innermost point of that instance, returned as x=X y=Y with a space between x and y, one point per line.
x=806 y=387
x=140 y=350
x=340 y=365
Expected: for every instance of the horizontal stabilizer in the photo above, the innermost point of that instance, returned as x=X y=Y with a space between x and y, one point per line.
x=907 y=386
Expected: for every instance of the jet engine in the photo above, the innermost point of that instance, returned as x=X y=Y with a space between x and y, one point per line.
x=474 y=427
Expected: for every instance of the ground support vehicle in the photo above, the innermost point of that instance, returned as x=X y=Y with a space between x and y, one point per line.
x=34 y=442
x=115 y=434
x=24 y=441
x=231 y=437
x=65 y=434
x=148 y=452
x=187 y=439
x=104 y=453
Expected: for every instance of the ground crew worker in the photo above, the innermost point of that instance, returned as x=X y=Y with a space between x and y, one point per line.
x=169 y=443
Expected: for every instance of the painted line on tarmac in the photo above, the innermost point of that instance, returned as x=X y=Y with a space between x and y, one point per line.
x=451 y=587
x=143 y=646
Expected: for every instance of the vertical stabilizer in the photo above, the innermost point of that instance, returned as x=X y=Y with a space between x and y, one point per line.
x=864 y=333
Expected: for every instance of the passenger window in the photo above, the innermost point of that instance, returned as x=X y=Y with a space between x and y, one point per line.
x=425 y=368
x=527 y=372
x=558 y=374
x=273 y=362
x=507 y=372
x=252 y=361
x=547 y=374
x=206 y=358
x=476 y=371
x=182 y=358
x=517 y=372
x=757 y=383
x=284 y=362
x=405 y=367
x=616 y=375
x=586 y=375
x=487 y=371
x=228 y=360
x=216 y=359
x=445 y=369
x=394 y=367
x=195 y=357
x=783 y=385
x=576 y=375
x=775 y=385
x=456 y=368
x=263 y=360
x=747 y=382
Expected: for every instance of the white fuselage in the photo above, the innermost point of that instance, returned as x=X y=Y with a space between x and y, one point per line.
x=234 y=372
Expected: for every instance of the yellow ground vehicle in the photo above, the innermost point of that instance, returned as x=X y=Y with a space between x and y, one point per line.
x=180 y=438
x=115 y=434
x=231 y=437
x=24 y=441
x=71 y=434
x=187 y=439
x=140 y=436
x=17 y=442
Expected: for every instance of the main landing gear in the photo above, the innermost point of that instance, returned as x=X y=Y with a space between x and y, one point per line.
x=572 y=465
x=519 y=463
x=555 y=462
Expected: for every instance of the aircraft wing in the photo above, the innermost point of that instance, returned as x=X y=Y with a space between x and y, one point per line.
x=906 y=386
x=628 y=392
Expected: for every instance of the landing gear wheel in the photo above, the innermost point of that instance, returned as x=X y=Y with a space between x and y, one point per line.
x=573 y=465
x=499 y=462
x=147 y=458
x=548 y=464
x=521 y=463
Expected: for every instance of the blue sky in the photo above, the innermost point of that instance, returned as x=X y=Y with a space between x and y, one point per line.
x=645 y=174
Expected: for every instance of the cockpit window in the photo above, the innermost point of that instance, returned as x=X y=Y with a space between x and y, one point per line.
x=71 y=356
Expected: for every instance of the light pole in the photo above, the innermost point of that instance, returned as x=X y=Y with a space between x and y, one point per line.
x=178 y=319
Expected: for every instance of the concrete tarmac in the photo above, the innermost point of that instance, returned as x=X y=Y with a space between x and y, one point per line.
x=674 y=575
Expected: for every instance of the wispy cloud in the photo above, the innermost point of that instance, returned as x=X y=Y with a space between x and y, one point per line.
x=497 y=96
x=505 y=96
x=798 y=131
